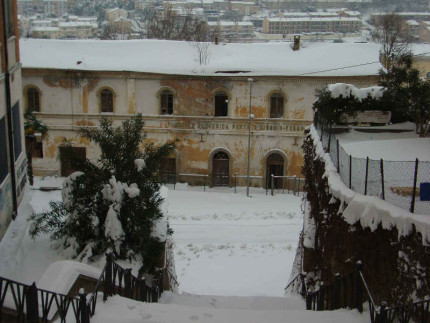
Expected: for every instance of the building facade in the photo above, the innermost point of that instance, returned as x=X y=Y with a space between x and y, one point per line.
x=287 y=26
x=206 y=111
x=12 y=150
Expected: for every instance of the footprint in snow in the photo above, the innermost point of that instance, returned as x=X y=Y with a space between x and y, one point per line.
x=194 y=317
x=145 y=316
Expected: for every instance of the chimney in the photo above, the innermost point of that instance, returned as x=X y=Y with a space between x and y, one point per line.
x=216 y=40
x=296 y=45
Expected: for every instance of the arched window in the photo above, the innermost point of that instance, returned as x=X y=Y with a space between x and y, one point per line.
x=221 y=104
x=33 y=99
x=106 y=101
x=166 y=102
x=277 y=105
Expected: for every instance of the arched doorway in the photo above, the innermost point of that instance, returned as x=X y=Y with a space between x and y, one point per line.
x=275 y=166
x=168 y=170
x=220 y=169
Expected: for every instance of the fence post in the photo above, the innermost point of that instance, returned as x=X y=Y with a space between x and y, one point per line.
x=204 y=183
x=320 y=305
x=160 y=283
x=322 y=131
x=127 y=283
x=338 y=161
x=329 y=140
x=108 y=284
x=83 y=306
x=272 y=184
x=382 y=313
x=32 y=304
x=142 y=290
x=382 y=179
x=350 y=171
x=358 y=288
x=367 y=176
x=295 y=187
x=336 y=292
x=235 y=179
x=155 y=294
x=308 y=300
x=415 y=186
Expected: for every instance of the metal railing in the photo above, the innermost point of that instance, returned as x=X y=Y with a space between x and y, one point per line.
x=116 y=280
x=29 y=303
x=351 y=291
x=288 y=183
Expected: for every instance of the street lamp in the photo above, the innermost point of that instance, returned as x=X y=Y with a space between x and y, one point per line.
x=250 y=80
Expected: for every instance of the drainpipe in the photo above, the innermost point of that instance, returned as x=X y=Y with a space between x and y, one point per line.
x=9 y=115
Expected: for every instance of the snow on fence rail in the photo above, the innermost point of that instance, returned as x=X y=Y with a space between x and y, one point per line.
x=397 y=182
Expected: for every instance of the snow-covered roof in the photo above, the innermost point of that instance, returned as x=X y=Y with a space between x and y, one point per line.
x=230 y=23
x=46 y=29
x=315 y=19
x=412 y=22
x=174 y=57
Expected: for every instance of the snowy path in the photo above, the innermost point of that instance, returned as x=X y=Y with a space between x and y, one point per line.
x=227 y=244
x=213 y=309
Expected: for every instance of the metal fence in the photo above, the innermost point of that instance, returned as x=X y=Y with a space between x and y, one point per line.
x=397 y=182
x=282 y=184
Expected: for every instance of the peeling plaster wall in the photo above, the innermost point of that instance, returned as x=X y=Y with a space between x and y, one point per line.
x=70 y=100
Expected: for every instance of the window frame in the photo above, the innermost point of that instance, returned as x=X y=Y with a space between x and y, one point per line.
x=166 y=98
x=109 y=105
x=33 y=98
x=276 y=105
x=220 y=93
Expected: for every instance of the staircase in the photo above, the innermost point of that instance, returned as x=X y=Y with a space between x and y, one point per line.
x=174 y=308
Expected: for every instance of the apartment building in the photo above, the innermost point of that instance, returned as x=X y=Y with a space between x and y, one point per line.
x=311 y=25
x=12 y=148
x=226 y=30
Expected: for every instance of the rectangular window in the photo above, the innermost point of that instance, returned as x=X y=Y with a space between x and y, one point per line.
x=4 y=166
x=38 y=150
x=16 y=120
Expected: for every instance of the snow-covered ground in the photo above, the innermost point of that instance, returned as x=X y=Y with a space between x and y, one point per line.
x=183 y=308
x=225 y=243
x=228 y=244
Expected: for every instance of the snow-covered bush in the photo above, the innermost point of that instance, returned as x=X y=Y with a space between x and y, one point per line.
x=337 y=101
x=113 y=204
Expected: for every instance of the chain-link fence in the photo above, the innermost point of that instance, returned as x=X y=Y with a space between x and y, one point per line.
x=397 y=182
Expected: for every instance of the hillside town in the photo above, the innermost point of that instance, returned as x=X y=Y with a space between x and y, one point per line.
x=215 y=161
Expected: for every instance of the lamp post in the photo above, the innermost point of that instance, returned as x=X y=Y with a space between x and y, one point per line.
x=250 y=80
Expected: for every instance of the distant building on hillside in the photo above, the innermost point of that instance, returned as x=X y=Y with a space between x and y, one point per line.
x=229 y=30
x=287 y=26
x=115 y=14
x=417 y=16
x=206 y=107
x=71 y=27
x=12 y=148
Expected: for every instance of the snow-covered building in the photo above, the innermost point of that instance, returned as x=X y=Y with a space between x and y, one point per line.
x=12 y=149
x=287 y=26
x=205 y=106
x=231 y=29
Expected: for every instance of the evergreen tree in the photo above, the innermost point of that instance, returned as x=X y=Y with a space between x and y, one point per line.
x=114 y=203
x=407 y=94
